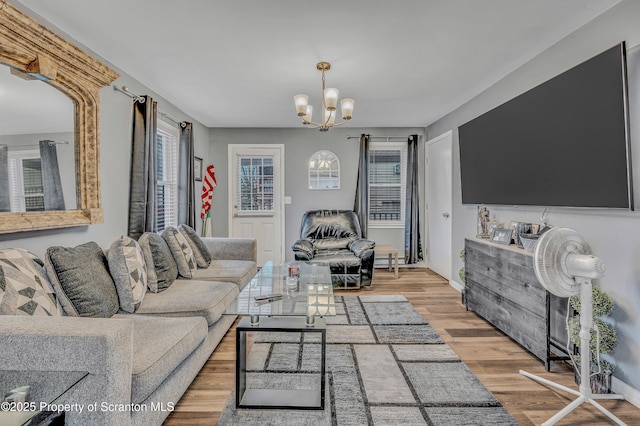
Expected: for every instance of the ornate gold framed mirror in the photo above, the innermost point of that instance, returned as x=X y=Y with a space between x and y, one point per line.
x=34 y=52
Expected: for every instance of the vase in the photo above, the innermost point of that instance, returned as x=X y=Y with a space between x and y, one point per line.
x=599 y=383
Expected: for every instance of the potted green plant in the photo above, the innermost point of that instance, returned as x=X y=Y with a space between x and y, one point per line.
x=461 y=272
x=602 y=341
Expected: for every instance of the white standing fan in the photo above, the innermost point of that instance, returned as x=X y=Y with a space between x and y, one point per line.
x=565 y=267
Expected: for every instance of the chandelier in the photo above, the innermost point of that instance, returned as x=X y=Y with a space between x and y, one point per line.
x=329 y=103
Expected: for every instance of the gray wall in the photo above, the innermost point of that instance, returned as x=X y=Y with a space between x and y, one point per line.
x=613 y=235
x=299 y=145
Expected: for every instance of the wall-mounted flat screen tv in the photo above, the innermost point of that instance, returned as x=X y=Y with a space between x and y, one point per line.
x=562 y=143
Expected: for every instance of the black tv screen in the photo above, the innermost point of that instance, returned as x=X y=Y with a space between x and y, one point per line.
x=562 y=143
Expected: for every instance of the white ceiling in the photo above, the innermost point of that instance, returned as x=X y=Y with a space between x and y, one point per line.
x=238 y=63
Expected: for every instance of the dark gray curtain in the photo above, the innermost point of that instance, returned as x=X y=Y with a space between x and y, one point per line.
x=51 y=182
x=361 y=204
x=412 y=243
x=142 y=191
x=186 y=178
x=5 y=196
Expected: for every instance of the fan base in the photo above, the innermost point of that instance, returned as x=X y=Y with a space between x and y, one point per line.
x=577 y=402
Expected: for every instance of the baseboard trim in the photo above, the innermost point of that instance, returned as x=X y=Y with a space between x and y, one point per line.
x=456 y=285
x=630 y=394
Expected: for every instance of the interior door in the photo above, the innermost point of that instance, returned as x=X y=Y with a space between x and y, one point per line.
x=256 y=202
x=439 y=203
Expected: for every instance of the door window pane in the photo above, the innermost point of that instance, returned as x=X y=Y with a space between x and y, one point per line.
x=255 y=183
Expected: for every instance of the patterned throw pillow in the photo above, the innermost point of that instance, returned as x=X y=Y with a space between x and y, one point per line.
x=129 y=271
x=200 y=250
x=24 y=287
x=162 y=270
x=181 y=251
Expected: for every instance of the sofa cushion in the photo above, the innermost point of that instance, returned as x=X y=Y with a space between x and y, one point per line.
x=200 y=250
x=24 y=287
x=181 y=251
x=160 y=345
x=129 y=272
x=81 y=279
x=239 y=272
x=162 y=270
x=207 y=299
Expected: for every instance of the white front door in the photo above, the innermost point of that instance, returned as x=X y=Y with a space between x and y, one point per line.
x=256 y=208
x=439 y=203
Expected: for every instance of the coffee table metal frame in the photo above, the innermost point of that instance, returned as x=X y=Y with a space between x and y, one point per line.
x=278 y=398
x=293 y=314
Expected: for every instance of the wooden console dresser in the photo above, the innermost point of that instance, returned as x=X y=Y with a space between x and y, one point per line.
x=501 y=286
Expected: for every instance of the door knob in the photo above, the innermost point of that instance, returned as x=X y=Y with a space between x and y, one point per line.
x=445 y=215
x=235 y=206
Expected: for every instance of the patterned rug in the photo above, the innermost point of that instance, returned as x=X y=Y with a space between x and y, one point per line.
x=385 y=366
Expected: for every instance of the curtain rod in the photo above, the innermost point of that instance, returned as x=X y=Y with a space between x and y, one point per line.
x=384 y=137
x=125 y=90
x=35 y=145
x=137 y=98
x=182 y=124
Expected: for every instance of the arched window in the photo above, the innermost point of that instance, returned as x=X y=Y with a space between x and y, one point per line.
x=324 y=171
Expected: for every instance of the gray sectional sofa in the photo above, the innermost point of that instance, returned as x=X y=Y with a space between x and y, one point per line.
x=141 y=363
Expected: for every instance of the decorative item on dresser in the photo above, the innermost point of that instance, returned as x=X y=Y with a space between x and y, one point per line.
x=501 y=287
x=501 y=236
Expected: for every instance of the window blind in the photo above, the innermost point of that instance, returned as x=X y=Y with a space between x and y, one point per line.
x=387 y=176
x=167 y=176
x=25 y=176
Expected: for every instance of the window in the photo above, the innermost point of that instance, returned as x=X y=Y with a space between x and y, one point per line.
x=27 y=190
x=324 y=171
x=255 y=183
x=387 y=177
x=167 y=176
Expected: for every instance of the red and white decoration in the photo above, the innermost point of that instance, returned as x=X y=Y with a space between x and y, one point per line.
x=208 y=184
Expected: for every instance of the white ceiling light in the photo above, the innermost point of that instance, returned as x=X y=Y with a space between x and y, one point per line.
x=329 y=104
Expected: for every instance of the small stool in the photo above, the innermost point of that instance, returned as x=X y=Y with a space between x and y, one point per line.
x=392 y=252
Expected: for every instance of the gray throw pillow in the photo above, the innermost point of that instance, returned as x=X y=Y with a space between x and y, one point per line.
x=162 y=270
x=181 y=251
x=129 y=271
x=24 y=287
x=200 y=250
x=81 y=279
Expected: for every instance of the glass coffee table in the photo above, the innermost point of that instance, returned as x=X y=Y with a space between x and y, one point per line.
x=37 y=402
x=305 y=301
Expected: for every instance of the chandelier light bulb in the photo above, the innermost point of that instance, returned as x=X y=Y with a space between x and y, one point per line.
x=306 y=118
x=331 y=98
x=329 y=117
x=301 y=101
x=346 y=105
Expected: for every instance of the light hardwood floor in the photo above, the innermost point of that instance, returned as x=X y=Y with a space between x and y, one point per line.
x=492 y=356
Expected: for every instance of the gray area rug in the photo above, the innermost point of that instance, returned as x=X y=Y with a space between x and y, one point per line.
x=385 y=366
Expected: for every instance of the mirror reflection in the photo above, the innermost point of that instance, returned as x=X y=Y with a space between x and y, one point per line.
x=37 y=156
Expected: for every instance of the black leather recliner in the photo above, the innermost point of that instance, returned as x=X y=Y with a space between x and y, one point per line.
x=335 y=237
